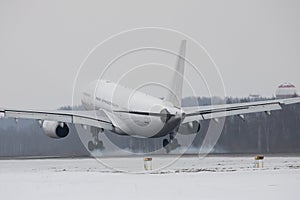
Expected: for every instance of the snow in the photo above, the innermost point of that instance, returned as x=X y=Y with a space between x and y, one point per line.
x=187 y=178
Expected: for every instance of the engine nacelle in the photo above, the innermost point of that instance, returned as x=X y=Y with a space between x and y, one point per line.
x=55 y=129
x=189 y=128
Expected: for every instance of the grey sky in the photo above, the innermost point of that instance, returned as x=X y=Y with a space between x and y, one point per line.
x=255 y=44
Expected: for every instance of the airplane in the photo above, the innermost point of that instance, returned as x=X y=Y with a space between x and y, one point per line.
x=128 y=112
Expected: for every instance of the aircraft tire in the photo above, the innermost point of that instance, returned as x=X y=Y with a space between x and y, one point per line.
x=91 y=146
x=165 y=143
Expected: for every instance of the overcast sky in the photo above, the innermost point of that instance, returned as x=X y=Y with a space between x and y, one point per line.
x=256 y=44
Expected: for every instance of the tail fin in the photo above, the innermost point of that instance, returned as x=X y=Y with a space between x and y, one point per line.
x=175 y=94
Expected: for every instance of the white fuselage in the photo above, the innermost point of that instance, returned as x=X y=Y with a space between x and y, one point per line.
x=131 y=111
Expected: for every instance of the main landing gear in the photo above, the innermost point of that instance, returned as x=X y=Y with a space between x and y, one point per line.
x=171 y=143
x=96 y=143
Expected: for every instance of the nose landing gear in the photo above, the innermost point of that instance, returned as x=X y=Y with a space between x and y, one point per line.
x=96 y=143
x=170 y=144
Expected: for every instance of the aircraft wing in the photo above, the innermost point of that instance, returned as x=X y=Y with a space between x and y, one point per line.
x=218 y=111
x=90 y=118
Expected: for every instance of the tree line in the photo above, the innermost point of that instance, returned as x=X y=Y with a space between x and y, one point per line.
x=257 y=133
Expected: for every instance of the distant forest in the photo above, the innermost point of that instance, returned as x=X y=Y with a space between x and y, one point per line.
x=258 y=133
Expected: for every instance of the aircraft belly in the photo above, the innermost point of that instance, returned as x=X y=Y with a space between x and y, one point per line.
x=141 y=126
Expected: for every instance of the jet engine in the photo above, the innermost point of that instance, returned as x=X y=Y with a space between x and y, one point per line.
x=55 y=129
x=189 y=128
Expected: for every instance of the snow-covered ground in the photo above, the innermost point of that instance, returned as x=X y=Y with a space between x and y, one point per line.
x=184 y=178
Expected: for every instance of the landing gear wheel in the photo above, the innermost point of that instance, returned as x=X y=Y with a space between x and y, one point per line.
x=170 y=144
x=165 y=142
x=99 y=145
x=175 y=143
x=96 y=143
x=91 y=146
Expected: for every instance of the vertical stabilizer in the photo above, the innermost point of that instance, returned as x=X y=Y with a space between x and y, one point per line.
x=175 y=94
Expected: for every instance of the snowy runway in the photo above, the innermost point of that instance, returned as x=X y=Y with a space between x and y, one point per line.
x=187 y=178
